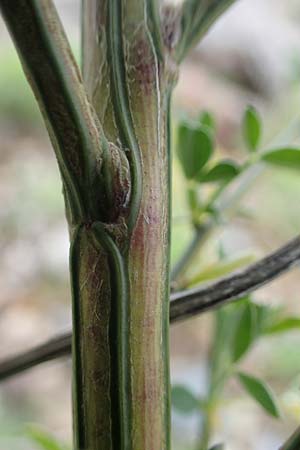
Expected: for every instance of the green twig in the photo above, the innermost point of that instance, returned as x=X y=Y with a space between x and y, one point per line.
x=180 y=267
x=225 y=204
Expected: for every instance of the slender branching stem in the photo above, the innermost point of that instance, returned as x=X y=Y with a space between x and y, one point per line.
x=224 y=206
x=199 y=233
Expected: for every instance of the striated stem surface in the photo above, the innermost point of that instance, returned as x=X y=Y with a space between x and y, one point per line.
x=127 y=81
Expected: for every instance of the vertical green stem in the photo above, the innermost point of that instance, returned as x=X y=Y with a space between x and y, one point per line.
x=121 y=364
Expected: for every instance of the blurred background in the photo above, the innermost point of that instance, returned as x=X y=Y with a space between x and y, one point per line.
x=252 y=55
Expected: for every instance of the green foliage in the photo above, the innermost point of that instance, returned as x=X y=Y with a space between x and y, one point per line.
x=258 y=390
x=183 y=400
x=283 y=325
x=265 y=316
x=240 y=325
x=194 y=148
x=207 y=119
x=245 y=331
x=44 y=440
x=251 y=128
x=223 y=171
x=283 y=157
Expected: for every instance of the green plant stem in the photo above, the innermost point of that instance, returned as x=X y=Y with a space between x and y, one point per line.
x=218 y=375
x=205 y=428
x=188 y=253
x=127 y=83
x=225 y=204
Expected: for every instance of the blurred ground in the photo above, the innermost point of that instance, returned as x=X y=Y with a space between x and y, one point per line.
x=251 y=55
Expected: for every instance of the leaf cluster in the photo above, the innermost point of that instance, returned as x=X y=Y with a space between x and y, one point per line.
x=239 y=326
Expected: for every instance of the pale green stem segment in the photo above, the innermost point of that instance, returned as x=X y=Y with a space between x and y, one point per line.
x=197 y=16
x=55 y=79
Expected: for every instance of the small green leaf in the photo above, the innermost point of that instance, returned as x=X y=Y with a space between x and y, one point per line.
x=284 y=157
x=222 y=171
x=251 y=128
x=265 y=317
x=245 y=332
x=258 y=390
x=183 y=400
x=194 y=148
x=208 y=120
x=43 y=439
x=286 y=324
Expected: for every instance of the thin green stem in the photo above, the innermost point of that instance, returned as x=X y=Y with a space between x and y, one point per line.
x=225 y=203
x=185 y=259
x=218 y=374
x=205 y=428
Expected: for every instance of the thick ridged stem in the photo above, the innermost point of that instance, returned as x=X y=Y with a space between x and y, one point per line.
x=124 y=76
